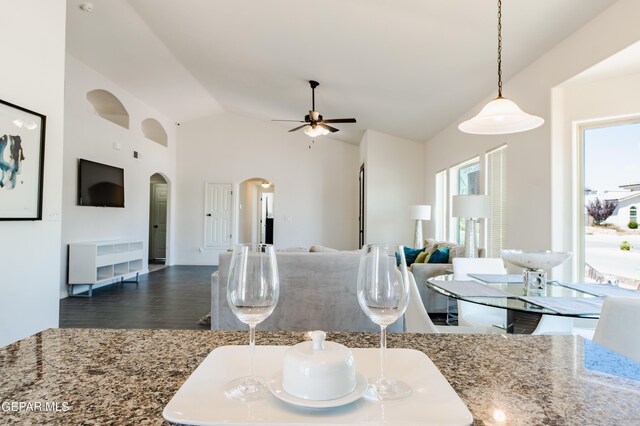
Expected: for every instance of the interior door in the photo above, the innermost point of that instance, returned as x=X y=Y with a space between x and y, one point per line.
x=217 y=225
x=159 y=221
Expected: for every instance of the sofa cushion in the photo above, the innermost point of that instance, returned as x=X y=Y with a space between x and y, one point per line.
x=322 y=249
x=293 y=250
x=441 y=255
x=422 y=257
x=410 y=254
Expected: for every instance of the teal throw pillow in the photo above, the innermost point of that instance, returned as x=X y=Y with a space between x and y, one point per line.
x=440 y=256
x=410 y=254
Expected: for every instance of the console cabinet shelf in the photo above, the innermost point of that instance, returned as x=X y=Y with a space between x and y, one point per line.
x=96 y=262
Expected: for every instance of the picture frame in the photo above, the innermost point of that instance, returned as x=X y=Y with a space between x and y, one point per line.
x=22 y=137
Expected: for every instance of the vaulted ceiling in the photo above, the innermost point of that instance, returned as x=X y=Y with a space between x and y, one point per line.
x=403 y=67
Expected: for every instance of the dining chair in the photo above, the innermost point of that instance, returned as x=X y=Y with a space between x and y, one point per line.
x=417 y=319
x=618 y=327
x=473 y=314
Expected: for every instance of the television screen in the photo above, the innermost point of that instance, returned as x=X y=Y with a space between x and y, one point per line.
x=100 y=185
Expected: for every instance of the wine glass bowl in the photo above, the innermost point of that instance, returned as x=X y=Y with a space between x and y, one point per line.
x=253 y=289
x=383 y=295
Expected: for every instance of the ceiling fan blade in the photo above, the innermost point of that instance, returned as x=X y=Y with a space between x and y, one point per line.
x=329 y=128
x=292 y=121
x=298 y=128
x=339 y=120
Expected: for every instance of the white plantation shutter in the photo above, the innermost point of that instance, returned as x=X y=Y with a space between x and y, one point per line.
x=440 y=210
x=497 y=191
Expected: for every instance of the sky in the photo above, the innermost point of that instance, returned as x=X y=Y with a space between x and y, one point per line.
x=612 y=157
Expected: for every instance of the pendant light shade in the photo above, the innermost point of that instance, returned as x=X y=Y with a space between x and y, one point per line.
x=500 y=116
x=315 y=131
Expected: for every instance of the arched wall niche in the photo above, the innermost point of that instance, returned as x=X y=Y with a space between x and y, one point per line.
x=153 y=130
x=107 y=106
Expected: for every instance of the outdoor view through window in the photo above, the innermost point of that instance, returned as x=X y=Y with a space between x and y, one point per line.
x=612 y=199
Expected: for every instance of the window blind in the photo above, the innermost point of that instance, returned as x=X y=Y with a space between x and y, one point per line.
x=497 y=191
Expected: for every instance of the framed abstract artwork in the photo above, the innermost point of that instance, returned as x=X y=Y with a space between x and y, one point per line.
x=21 y=162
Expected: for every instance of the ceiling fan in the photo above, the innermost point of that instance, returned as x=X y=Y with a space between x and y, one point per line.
x=315 y=124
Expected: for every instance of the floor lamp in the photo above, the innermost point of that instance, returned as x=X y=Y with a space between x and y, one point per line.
x=419 y=213
x=472 y=208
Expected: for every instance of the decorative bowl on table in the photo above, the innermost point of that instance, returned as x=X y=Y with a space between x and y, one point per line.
x=535 y=262
x=535 y=259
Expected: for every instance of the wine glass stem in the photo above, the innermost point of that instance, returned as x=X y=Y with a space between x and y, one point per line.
x=252 y=349
x=383 y=350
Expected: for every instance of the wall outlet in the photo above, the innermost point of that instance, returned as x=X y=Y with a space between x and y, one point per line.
x=53 y=216
x=117 y=145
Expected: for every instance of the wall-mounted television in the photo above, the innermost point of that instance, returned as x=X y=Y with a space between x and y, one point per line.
x=100 y=185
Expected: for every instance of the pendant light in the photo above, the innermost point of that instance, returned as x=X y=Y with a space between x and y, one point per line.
x=500 y=116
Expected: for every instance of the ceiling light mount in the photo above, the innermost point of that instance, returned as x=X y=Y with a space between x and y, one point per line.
x=86 y=7
x=500 y=116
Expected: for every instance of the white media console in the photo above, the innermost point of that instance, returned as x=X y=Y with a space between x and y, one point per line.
x=98 y=262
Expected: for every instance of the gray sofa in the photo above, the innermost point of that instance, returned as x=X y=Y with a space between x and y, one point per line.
x=435 y=302
x=317 y=292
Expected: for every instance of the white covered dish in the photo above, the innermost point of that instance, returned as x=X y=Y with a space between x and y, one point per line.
x=319 y=370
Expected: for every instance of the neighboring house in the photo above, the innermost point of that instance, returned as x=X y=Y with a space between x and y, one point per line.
x=627 y=203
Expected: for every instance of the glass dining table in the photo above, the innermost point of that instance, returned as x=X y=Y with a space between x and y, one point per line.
x=524 y=311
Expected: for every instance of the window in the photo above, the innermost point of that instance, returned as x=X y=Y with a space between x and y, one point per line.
x=497 y=192
x=465 y=181
x=440 y=210
x=633 y=214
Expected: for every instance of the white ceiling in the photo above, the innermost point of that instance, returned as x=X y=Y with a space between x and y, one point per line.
x=404 y=67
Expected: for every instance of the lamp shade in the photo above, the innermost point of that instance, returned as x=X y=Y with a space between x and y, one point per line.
x=500 y=116
x=420 y=212
x=470 y=206
x=315 y=131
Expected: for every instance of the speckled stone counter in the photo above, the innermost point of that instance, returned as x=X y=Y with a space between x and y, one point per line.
x=96 y=377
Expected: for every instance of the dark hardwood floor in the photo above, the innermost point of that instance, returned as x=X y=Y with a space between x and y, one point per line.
x=172 y=297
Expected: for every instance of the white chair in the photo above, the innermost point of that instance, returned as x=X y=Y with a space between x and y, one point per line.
x=619 y=326
x=473 y=314
x=417 y=319
x=559 y=325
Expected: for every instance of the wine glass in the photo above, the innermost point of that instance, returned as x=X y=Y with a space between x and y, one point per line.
x=252 y=292
x=383 y=294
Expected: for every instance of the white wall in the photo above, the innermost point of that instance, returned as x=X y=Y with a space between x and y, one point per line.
x=317 y=188
x=91 y=137
x=535 y=209
x=33 y=78
x=581 y=104
x=394 y=180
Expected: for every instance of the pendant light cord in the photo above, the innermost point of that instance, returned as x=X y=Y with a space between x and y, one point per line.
x=499 y=48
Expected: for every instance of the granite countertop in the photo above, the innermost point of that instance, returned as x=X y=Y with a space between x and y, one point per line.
x=96 y=377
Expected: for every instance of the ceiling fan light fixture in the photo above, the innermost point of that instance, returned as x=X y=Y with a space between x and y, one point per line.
x=500 y=116
x=315 y=131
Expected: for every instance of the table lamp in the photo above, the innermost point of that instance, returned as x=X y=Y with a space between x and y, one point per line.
x=471 y=207
x=419 y=213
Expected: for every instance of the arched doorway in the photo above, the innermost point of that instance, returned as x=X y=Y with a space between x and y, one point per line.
x=256 y=217
x=158 y=197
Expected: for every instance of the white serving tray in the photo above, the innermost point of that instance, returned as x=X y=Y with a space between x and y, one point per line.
x=201 y=399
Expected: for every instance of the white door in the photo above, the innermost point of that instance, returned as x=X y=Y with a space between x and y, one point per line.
x=217 y=224
x=159 y=221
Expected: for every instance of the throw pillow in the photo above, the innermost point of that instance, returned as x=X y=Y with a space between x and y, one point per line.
x=440 y=256
x=421 y=257
x=410 y=255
